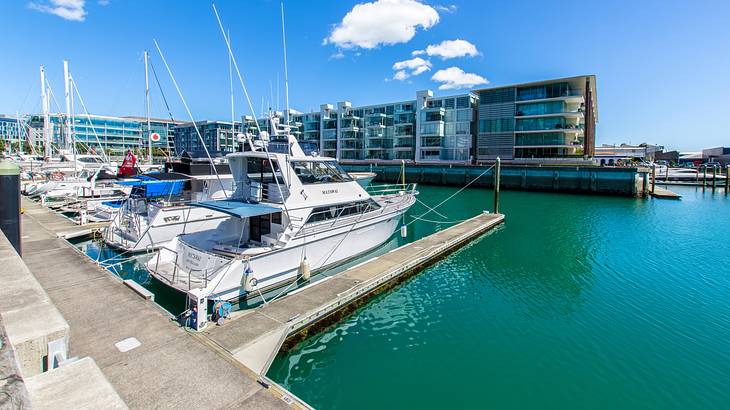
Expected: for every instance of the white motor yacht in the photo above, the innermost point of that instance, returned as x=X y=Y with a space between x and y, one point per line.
x=290 y=215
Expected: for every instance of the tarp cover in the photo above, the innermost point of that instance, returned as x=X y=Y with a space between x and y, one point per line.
x=154 y=188
x=237 y=208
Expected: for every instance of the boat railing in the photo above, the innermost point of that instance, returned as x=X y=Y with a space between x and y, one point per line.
x=205 y=274
x=390 y=189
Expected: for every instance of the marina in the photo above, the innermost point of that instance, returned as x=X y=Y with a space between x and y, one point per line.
x=424 y=221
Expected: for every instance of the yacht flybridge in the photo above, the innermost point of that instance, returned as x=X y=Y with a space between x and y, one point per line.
x=290 y=215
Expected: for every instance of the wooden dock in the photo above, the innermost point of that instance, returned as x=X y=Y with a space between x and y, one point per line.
x=254 y=337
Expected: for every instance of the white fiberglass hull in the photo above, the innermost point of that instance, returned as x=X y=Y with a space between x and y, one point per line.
x=138 y=233
x=180 y=266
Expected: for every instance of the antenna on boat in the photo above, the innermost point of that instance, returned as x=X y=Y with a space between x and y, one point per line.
x=286 y=70
x=190 y=114
x=230 y=77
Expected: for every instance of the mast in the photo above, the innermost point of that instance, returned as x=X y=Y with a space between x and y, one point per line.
x=67 y=138
x=286 y=71
x=230 y=76
x=46 y=116
x=20 y=142
x=147 y=106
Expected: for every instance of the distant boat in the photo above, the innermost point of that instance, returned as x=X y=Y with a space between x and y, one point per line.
x=363 y=178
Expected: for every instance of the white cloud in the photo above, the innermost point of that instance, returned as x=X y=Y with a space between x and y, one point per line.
x=450 y=49
x=382 y=22
x=408 y=68
x=450 y=8
x=455 y=77
x=401 y=75
x=66 y=9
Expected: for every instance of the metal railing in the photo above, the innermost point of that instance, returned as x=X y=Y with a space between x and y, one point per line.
x=390 y=189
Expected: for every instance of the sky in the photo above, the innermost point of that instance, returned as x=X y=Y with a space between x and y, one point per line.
x=662 y=67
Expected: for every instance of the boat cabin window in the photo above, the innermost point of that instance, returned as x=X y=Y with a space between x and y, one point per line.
x=319 y=172
x=259 y=170
x=324 y=213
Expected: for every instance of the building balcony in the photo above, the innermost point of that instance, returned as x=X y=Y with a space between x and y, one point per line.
x=571 y=129
x=566 y=114
x=575 y=96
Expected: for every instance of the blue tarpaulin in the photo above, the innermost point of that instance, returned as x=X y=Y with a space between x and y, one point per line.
x=237 y=208
x=154 y=188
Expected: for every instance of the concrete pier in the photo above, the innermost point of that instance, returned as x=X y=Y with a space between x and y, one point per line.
x=254 y=337
x=157 y=364
x=553 y=178
x=135 y=349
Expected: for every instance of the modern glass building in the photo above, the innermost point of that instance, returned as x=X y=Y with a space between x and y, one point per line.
x=536 y=121
x=217 y=135
x=115 y=134
x=9 y=130
x=425 y=129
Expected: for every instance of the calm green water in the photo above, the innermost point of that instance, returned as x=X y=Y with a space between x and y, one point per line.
x=576 y=302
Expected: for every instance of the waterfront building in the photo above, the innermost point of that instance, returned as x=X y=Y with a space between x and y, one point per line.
x=9 y=130
x=553 y=119
x=425 y=129
x=719 y=155
x=610 y=154
x=217 y=135
x=115 y=134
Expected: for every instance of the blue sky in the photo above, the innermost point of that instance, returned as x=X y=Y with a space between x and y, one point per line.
x=662 y=66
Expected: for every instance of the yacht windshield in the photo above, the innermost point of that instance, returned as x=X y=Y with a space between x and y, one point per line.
x=319 y=172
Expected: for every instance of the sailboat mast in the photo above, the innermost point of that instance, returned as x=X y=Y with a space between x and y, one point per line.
x=20 y=142
x=230 y=76
x=286 y=71
x=46 y=116
x=67 y=138
x=147 y=106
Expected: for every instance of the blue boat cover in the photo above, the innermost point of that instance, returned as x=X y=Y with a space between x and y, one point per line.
x=237 y=208
x=154 y=188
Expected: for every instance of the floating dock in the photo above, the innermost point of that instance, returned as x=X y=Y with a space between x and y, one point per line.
x=663 y=193
x=255 y=337
x=149 y=361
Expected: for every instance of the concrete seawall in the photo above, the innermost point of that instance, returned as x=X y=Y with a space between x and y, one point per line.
x=576 y=179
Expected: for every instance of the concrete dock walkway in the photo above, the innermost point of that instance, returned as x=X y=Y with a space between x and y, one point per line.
x=256 y=336
x=171 y=368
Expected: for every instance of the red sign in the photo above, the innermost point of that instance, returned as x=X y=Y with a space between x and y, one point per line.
x=155 y=137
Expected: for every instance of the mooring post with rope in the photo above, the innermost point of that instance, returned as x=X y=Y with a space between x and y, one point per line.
x=714 y=178
x=497 y=175
x=653 y=177
x=727 y=178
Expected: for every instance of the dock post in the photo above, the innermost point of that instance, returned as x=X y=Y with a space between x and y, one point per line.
x=10 y=210
x=727 y=179
x=714 y=177
x=704 y=176
x=653 y=177
x=497 y=174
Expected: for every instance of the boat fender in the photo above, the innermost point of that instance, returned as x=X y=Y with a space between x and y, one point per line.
x=403 y=231
x=250 y=281
x=304 y=270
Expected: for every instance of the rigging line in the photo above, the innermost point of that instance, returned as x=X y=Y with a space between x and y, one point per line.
x=250 y=106
x=164 y=99
x=88 y=118
x=286 y=70
x=215 y=170
x=452 y=195
x=435 y=211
